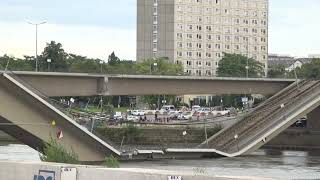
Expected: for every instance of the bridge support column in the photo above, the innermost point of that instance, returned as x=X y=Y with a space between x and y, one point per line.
x=313 y=121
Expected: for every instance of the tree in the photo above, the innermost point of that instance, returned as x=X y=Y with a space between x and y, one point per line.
x=161 y=66
x=55 y=52
x=234 y=65
x=310 y=70
x=15 y=64
x=113 y=59
x=277 y=71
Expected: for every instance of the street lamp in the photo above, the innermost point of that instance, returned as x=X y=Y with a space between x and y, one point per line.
x=236 y=138
x=247 y=70
x=48 y=61
x=153 y=66
x=37 y=24
x=101 y=63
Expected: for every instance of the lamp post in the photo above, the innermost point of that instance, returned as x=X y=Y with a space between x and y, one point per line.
x=152 y=67
x=49 y=62
x=236 y=138
x=101 y=63
x=37 y=24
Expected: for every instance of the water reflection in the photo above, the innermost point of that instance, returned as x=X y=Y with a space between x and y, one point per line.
x=270 y=164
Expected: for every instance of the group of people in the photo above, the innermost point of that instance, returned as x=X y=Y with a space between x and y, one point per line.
x=156 y=119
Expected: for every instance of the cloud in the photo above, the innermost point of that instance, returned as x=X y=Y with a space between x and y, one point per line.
x=119 y=14
x=18 y=39
x=294 y=28
x=97 y=27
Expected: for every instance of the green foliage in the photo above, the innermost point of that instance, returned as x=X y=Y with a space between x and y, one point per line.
x=153 y=100
x=16 y=64
x=234 y=65
x=55 y=52
x=64 y=62
x=161 y=66
x=55 y=152
x=130 y=133
x=228 y=100
x=277 y=71
x=113 y=59
x=109 y=109
x=111 y=162
x=310 y=70
x=85 y=66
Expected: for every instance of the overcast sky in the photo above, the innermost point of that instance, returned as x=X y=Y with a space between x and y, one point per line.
x=95 y=28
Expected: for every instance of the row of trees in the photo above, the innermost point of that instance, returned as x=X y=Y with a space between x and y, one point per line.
x=309 y=70
x=62 y=61
x=231 y=65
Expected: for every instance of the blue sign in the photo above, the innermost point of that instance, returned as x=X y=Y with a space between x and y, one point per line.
x=44 y=175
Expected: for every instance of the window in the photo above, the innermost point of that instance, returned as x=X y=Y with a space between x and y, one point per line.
x=199 y=55
x=198 y=72
x=189 y=54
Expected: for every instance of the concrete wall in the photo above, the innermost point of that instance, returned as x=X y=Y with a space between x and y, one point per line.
x=43 y=171
x=32 y=119
x=296 y=139
x=75 y=84
x=314 y=119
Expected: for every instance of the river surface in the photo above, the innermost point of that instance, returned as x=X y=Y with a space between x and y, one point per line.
x=269 y=164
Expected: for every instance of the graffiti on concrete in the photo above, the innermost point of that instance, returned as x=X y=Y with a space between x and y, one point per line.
x=44 y=175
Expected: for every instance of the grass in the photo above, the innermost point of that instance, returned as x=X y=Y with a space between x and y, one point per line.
x=55 y=152
x=111 y=162
x=122 y=109
x=95 y=109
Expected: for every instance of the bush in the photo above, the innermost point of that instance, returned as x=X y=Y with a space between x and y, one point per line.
x=111 y=162
x=55 y=152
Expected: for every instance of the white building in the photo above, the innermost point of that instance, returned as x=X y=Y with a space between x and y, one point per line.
x=196 y=33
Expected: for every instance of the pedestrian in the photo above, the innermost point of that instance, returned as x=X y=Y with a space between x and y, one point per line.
x=156 y=117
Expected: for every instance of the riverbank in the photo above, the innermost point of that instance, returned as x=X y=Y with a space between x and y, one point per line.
x=157 y=137
x=28 y=170
x=262 y=163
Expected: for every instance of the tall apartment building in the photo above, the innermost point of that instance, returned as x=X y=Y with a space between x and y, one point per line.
x=196 y=33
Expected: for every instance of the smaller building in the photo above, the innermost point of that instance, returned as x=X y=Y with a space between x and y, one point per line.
x=290 y=63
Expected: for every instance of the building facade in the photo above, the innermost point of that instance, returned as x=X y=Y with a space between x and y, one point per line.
x=196 y=33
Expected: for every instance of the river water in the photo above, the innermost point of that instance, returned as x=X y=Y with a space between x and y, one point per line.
x=269 y=164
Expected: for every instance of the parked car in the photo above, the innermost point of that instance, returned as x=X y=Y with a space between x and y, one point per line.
x=195 y=107
x=185 y=116
x=232 y=111
x=174 y=114
x=137 y=113
x=117 y=116
x=220 y=113
x=302 y=122
x=132 y=118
